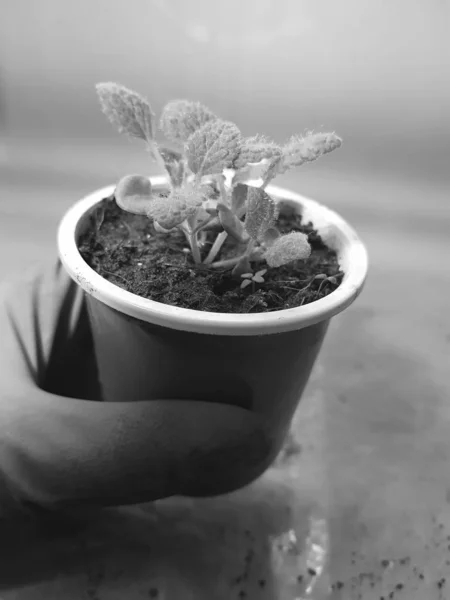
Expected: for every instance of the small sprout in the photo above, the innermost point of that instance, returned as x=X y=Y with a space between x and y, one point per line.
x=287 y=248
x=332 y=279
x=320 y=276
x=258 y=276
x=246 y=282
x=249 y=278
x=133 y=193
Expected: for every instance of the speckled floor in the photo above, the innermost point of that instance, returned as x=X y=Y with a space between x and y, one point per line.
x=362 y=499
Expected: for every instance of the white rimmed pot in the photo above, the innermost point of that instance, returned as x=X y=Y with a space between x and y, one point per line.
x=149 y=350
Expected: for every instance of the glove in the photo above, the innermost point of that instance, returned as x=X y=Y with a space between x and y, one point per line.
x=63 y=449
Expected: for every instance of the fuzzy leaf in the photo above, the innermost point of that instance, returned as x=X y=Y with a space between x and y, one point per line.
x=181 y=118
x=300 y=149
x=179 y=206
x=128 y=111
x=175 y=166
x=213 y=147
x=261 y=214
x=255 y=149
x=245 y=283
x=287 y=248
x=232 y=225
x=133 y=193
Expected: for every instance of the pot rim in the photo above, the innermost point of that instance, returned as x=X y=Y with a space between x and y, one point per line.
x=185 y=319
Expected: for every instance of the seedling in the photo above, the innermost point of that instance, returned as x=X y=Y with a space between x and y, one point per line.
x=217 y=180
x=252 y=278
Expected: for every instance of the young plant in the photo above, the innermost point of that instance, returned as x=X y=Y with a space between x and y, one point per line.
x=217 y=180
x=252 y=278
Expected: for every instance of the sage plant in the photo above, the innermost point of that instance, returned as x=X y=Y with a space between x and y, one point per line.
x=211 y=171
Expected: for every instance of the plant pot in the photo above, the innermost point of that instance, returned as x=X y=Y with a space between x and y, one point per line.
x=148 y=350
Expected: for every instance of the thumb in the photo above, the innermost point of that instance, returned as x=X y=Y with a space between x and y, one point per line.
x=64 y=453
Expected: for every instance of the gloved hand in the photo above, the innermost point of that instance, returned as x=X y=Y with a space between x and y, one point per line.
x=61 y=450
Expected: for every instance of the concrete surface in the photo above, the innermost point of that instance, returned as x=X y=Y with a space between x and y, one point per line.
x=371 y=481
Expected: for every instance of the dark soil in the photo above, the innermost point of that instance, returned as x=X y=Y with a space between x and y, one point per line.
x=126 y=250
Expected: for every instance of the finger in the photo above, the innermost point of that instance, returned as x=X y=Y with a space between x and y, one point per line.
x=43 y=327
x=62 y=453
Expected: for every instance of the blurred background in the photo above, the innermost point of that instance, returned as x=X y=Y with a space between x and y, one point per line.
x=375 y=72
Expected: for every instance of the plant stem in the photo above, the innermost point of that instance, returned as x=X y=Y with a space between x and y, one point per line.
x=191 y=237
x=230 y=262
x=215 y=248
x=225 y=264
x=204 y=224
x=154 y=150
x=249 y=249
x=193 y=242
x=223 y=192
x=197 y=180
x=266 y=182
